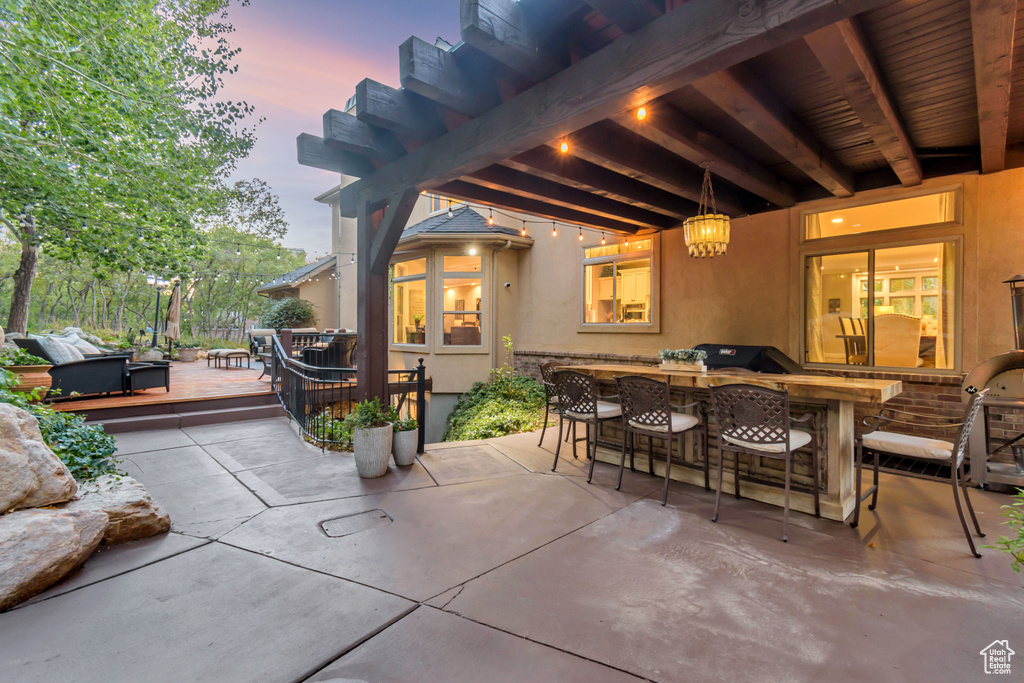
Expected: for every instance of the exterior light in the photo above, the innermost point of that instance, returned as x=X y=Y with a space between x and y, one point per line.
x=554 y=230
x=472 y=251
x=353 y=259
x=641 y=113
x=278 y=256
x=564 y=148
x=707 y=233
x=450 y=214
x=837 y=220
x=490 y=218
x=603 y=240
x=238 y=251
x=523 y=231
x=581 y=234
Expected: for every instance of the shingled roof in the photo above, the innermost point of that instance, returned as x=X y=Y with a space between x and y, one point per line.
x=463 y=221
x=297 y=275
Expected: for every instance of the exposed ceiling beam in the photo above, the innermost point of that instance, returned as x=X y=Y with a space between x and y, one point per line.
x=401 y=111
x=460 y=189
x=502 y=29
x=314 y=152
x=628 y=15
x=668 y=127
x=843 y=50
x=346 y=132
x=992 y=25
x=437 y=75
x=701 y=37
x=527 y=185
x=583 y=175
x=617 y=149
x=736 y=92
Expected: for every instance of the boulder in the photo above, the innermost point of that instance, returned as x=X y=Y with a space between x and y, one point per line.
x=40 y=547
x=150 y=354
x=30 y=474
x=133 y=514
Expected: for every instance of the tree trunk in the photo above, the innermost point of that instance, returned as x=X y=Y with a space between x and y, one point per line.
x=17 y=319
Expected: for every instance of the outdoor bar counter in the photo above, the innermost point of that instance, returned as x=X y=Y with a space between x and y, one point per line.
x=832 y=399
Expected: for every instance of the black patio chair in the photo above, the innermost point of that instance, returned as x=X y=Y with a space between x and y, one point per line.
x=578 y=402
x=99 y=375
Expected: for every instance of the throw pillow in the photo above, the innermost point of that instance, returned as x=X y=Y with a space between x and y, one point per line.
x=82 y=345
x=57 y=350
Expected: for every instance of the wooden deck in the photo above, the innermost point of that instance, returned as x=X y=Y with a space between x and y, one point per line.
x=189 y=382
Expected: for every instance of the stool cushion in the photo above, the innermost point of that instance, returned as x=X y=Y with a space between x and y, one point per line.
x=605 y=411
x=797 y=439
x=913 y=446
x=679 y=423
x=226 y=352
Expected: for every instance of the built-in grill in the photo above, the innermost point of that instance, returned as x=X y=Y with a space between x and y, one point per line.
x=1003 y=376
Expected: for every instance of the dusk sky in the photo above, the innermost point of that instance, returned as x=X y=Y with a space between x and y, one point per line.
x=302 y=57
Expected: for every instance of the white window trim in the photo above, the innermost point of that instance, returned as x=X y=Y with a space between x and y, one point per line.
x=403 y=346
x=652 y=327
x=485 y=313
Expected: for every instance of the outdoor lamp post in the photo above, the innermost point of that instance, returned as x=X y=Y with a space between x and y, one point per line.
x=158 y=283
x=1017 y=302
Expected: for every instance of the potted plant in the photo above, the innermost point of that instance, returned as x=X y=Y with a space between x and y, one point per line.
x=371 y=437
x=404 y=440
x=685 y=359
x=29 y=371
x=188 y=351
x=419 y=336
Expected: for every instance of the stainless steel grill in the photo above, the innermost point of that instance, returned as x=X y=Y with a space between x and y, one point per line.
x=1003 y=375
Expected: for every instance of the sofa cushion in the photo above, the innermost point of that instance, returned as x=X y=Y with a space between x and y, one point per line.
x=58 y=351
x=82 y=345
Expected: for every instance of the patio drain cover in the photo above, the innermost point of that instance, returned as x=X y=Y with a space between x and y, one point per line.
x=353 y=524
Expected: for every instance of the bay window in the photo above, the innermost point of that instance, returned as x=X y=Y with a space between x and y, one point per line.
x=409 y=302
x=461 y=298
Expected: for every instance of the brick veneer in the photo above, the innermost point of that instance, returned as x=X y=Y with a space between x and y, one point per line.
x=938 y=395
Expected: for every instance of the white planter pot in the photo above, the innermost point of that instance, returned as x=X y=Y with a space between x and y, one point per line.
x=188 y=355
x=403 y=447
x=372 y=451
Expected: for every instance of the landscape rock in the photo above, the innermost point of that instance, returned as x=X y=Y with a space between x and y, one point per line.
x=151 y=354
x=40 y=547
x=30 y=474
x=133 y=513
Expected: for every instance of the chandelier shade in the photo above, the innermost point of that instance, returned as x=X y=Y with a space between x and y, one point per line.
x=707 y=234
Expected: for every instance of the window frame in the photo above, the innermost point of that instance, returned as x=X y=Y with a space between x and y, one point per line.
x=653 y=326
x=888 y=233
x=870 y=249
x=426 y=292
x=484 y=314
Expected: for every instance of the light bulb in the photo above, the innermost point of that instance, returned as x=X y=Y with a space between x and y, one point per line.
x=490 y=218
x=472 y=251
x=603 y=240
x=581 y=234
x=523 y=231
x=353 y=259
x=238 y=251
x=641 y=113
x=564 y=148
x=554 y=230
x=450 y=211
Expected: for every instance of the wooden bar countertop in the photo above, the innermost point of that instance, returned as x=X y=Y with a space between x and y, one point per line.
x=821 y=387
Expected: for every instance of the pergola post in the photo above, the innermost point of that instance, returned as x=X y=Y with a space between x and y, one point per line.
x=377 y=233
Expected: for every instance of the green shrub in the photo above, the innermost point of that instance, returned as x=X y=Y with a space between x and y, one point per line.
x=1014 y=544
x=284 y=314
x=508 y=404
x=337 y=437
x=87 y=450
x=9 y=357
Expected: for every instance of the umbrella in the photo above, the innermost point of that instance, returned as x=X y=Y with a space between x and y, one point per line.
x=173 y=330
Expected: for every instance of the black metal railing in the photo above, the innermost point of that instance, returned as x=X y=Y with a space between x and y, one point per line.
x=318 y=396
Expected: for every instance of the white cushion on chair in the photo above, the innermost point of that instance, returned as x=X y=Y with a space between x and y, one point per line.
x=605 y=411
x=679 y=423
x=913 y=446
x=797 y=439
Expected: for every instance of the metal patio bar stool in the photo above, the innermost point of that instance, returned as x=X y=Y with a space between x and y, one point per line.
x=878 y=443
x=578 y=401
x=756 y=421
x=547 y=372
x=647 y=411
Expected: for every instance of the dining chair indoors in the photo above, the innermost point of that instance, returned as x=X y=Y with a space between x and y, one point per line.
x=757 y=421
x=878 y=443
x=578 y=402
x=647 y=411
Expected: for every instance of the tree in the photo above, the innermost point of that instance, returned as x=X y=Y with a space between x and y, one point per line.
x=113 y=144
x=251 y=206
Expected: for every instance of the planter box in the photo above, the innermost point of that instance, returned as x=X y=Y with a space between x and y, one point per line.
x=31 y=376
x=371 y=449
x=680 y=366
x=403 y=447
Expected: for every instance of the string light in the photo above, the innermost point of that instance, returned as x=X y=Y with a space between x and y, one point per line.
x=450 y=214
x=554 y=230
x=641 y=113
x=603 y=240
x=564 y=147
x=523 y=231
x=353 y=259
x=581 y=233
x=238 y=251
x=490 y=218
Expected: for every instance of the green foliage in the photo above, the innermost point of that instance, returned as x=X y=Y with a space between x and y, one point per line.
x=683 y=355
x=367 y=414
x=1014 y=545
x=86 y=449
x=400 y=425
x=508 y=404
x=289 y=313
x=334 y=432
x=9 y=357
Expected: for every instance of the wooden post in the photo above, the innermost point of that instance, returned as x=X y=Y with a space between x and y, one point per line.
x=371 y=308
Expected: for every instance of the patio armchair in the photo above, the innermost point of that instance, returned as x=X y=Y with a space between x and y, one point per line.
x=757 y=421
x=99 y=375
x=647 y=411
x=260 y=341
x=579 y=401
x=877 y=443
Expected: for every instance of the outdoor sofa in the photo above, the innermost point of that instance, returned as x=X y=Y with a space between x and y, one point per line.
x=105 y=373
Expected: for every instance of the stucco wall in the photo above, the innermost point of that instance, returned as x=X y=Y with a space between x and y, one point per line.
x=324 y=297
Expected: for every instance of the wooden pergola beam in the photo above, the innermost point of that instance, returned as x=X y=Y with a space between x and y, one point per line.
x=315 y=153
x=617 y=149
x=346 y=132
x=668 y=127
x=736 y=93
x=843 y=51
x=583 y=175
x=702 y=36
x=501 y=29
x=527 y=185
x=992 y=26
x=628 y=15
x=437 y=75
x=460 y=189
x=400 y=111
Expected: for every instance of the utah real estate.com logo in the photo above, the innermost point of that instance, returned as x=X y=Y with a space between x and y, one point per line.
x=997 y=657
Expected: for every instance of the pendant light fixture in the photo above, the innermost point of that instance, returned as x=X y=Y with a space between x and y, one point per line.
x=707 y=233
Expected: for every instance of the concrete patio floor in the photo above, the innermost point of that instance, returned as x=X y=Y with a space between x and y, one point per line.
x=483 y=565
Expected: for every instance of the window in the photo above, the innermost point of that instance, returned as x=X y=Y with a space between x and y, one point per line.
x=908 y=323
x=937 y=208
x=461 y=299
x=436 y=203
x=617 y=283
x=409 y=302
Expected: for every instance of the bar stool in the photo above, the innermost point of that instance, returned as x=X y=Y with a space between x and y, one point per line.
x=877 y=443
x=547 y=372
x=647 y=411
x=756 y=421
x=578 y=401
